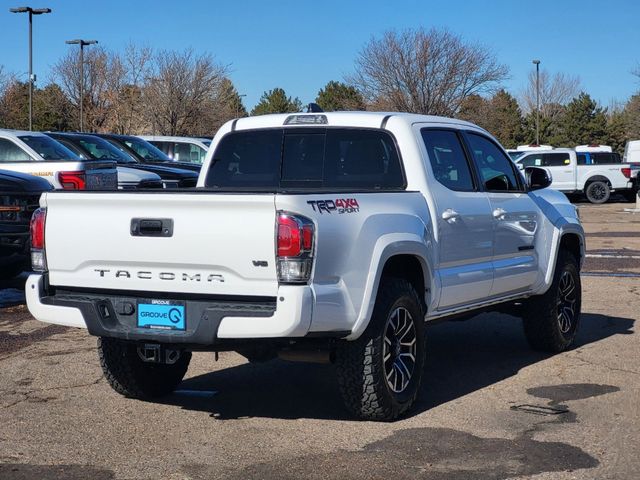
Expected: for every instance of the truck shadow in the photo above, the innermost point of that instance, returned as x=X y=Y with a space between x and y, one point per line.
x=462 y=357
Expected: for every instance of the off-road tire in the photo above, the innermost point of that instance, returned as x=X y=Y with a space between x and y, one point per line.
x=597 y=192
x=360 y=363
x=130 y=376
x=543 y=325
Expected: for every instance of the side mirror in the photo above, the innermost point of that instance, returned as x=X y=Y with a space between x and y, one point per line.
x=537 y=178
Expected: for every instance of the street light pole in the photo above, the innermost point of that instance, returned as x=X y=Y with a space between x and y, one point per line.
x=537 y=64
x=82 y=44
x=31 y=12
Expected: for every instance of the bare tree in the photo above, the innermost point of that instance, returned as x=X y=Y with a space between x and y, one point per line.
x=428 y=72
x=555 y=91
x=101 y=72
x=4 y=79
x=128 y=75
x=182 y=89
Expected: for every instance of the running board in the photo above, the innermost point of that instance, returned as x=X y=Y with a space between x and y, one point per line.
x=470 y=308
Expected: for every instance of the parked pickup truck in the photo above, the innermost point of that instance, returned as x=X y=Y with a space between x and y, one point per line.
x=36 y=154
x=92 y=147
x=330 y=237
x=572 y=172
x=19 y=196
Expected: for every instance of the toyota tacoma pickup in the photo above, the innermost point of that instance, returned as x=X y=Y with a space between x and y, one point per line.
x=327 y=237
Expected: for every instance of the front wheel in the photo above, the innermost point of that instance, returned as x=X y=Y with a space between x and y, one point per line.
x=597 y=192
x=379 y=374
x=551 y=320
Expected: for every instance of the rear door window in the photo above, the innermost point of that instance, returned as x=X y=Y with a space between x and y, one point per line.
x=10 y=152
x=600 y=158
x=188 y=152
x=299 y=158
x=448 y=160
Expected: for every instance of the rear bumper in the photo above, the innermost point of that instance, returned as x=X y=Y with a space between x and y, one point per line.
x=288 y=315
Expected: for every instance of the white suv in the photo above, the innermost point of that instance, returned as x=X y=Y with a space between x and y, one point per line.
x=181 y=149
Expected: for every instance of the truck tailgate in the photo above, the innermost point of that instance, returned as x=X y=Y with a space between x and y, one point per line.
x=219 y=244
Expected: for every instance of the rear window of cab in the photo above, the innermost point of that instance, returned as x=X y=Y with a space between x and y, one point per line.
x=306 y=158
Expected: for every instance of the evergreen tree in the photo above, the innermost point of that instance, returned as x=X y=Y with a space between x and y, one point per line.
x=52 y=110
x=617 y=126
x=500 y=115
x=14 y=106
x=504 y=119
x=551 y=132
x=474 y=109
x=632 y=117
x=337 y=96
x=276 y=101
x=584 y=121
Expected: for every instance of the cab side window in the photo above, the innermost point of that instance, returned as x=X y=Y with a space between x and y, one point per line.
x=556 y=159
x=10 y=152
x=497 y=172
x=448 y=160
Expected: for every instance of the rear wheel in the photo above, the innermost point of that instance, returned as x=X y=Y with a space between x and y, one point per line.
x=132 y=377
x=551 y=320
x=597 y=192
x=379 y=374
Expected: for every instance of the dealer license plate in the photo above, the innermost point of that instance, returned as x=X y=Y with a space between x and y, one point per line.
x=162 y=314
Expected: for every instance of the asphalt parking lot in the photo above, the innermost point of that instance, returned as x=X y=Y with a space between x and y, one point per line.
x=490 y=407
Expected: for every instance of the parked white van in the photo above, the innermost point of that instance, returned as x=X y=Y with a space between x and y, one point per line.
x=632 y=152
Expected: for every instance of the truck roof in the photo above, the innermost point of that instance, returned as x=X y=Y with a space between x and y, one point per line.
x=344 y=119
x=555 y=150
x=7 y=132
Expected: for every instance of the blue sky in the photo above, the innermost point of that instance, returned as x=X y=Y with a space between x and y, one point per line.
x=300 y=45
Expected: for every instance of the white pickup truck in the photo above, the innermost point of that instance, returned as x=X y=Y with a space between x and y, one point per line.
x=316 y=237
x=572 y=172
x=35 y=153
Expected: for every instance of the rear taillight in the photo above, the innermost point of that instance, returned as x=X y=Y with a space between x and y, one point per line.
x=626 y=172
x=295 y=244
x=38 y=258
x=72 y=180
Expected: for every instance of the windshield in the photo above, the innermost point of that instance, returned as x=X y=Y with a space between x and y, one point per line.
x=145 y=149
x=515 y=155
x=48 y=148
x=207 y=143
x=102 y=150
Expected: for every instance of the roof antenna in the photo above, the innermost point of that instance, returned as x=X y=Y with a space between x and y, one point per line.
x=314 y=108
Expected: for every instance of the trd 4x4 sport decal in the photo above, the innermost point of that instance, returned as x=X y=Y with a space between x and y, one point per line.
x=339 y=205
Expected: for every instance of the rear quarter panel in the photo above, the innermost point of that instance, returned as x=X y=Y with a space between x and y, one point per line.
x=352 y=247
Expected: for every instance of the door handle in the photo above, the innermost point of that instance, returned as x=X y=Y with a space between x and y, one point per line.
x=151 y=227
x=450 y=215
x=499 y=213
